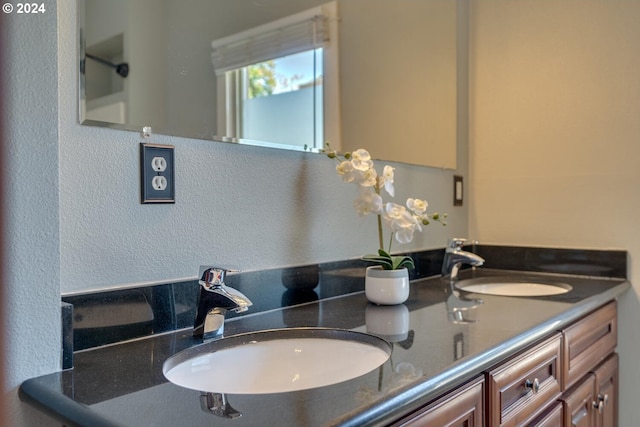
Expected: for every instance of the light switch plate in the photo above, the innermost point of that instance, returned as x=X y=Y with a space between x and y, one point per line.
x=157 y=177
x=457 y=190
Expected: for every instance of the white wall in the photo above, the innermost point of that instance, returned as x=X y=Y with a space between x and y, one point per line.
x=76 y=224
x=554 y=131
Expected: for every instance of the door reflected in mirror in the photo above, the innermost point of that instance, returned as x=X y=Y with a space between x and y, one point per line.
x=277 y=73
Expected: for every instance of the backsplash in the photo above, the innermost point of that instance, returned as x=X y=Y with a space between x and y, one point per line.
x=118 y=315
x=113 y=316
x=598 y=263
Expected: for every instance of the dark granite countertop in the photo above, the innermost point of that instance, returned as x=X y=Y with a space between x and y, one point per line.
x=123 y=384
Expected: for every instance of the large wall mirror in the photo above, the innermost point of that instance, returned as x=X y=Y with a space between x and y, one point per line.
x=290 y=74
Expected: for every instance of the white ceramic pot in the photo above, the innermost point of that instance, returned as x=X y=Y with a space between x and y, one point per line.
x=386 y=287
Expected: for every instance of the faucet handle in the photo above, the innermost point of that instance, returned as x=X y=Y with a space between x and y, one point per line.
x=213 y=276
x=456 y=242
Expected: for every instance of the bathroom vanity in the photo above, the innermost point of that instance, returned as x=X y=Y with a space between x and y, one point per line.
x=457 y=358
x=569 y=379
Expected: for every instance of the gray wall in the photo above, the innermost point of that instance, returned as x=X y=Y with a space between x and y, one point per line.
x=32 y=279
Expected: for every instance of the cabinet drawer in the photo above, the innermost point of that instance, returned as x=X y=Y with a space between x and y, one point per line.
x=588 y=342
x=462 y=407
x=519 y=389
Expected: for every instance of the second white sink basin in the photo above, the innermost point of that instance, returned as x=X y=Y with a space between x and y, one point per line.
x=278 y=360
x=513 y=286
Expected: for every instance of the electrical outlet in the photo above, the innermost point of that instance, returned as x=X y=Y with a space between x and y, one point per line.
x=157 y=173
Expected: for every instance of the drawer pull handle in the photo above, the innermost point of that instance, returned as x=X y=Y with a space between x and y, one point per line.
x=534 y=385
x=603 y=400
x=599 y=405
x=577 y=418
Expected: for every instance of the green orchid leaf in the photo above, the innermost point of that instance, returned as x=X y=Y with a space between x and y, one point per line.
x=388 y=262
x=385 y=262
x=399 y=262
x=382 y=253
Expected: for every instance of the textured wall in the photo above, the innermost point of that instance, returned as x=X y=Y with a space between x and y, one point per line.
x=32 y=289
x=554 y=137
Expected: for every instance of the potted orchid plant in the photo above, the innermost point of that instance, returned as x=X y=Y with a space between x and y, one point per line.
x=402 y=221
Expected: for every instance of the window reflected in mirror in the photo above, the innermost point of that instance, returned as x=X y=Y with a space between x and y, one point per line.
x=280 y=101
x=271 y=78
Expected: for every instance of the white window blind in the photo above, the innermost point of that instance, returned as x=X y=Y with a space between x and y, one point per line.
x=294 y=34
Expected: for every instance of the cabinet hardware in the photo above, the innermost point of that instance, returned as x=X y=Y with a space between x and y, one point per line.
x=577 y=418
x=603 y=400
x=533 y=386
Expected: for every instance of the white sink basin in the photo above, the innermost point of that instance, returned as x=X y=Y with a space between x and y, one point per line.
x=278 y=360
x=513 y=286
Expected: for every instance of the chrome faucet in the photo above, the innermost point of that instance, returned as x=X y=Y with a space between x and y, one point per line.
x=454 y=257
x=214 y=300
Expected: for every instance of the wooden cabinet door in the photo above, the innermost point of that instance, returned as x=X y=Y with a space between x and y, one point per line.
x=463 y=407
x=588 y=342
x=552 y=417
x=606 y=402
x=578 y=404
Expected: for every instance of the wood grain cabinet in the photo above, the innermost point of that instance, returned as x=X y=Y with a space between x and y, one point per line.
x=578 y=404
x=588 y=342
x=551 y=417
x=463 y=407
x=606 y=393
x=593 y=401
x=518 y=390
x=569 y=379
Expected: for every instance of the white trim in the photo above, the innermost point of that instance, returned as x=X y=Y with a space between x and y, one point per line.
x=227 y=98
x=292 y=34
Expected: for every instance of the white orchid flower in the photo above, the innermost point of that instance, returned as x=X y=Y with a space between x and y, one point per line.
x=367 y=202
x=358 y=168
x=404 y=229
x=346 y=171
x=401 y=222
x=404 y=236
x=361 y=160
x=368 y=178
x=387 y=180
x=394 y=211
x=397 y=217
x=418 y=206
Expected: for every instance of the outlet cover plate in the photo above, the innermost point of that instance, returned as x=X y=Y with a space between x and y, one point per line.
x=157 y=166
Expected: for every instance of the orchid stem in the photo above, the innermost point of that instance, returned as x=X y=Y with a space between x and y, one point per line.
x=380 y=240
